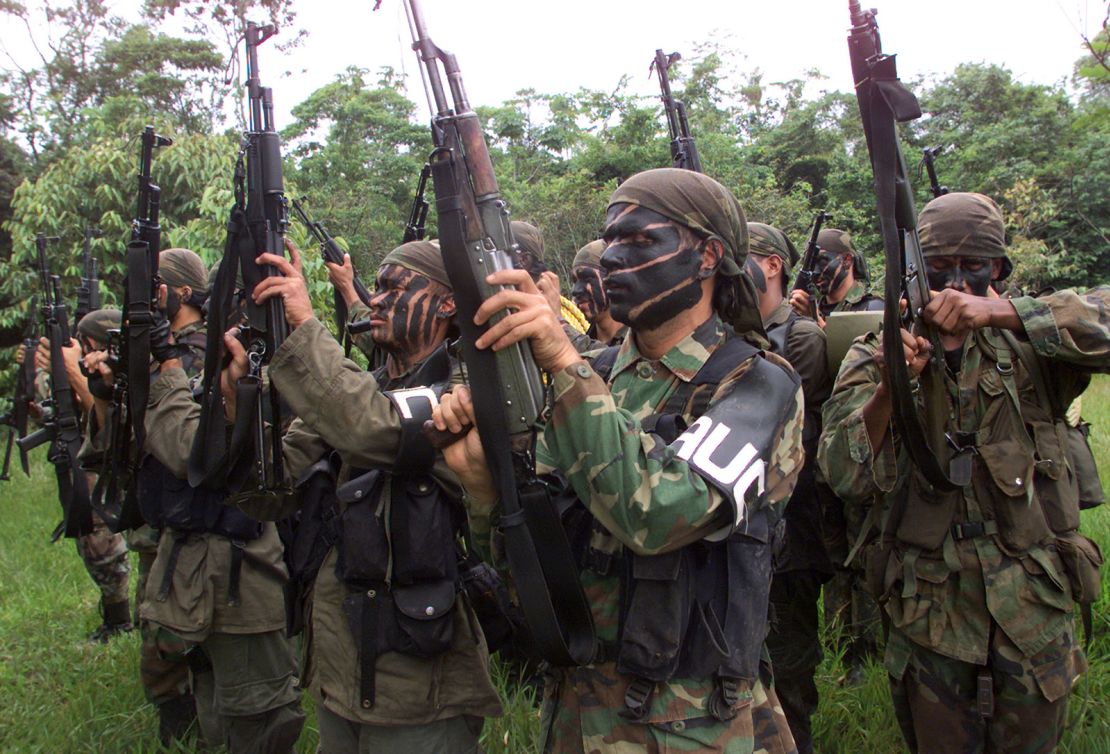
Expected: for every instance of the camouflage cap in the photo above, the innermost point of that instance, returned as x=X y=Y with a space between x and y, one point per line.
x=766 y=240
x=529 y=238
x=696 y=201
x=422 y=257
x=182 y=267
x=590 y=255
x=964 y=224
x=95 y=325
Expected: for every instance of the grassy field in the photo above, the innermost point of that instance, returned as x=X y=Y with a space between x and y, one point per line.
x=60 y=694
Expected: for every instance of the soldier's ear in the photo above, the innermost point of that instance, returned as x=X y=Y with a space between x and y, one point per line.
x=996 y=269
x=446 y=308
x=712 y=252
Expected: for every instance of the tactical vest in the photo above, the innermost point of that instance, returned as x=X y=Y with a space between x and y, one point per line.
x=1023 y=490
x=689 y=613
x=402 y=562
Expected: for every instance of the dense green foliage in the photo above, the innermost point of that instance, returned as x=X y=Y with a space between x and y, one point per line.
x=64 y=696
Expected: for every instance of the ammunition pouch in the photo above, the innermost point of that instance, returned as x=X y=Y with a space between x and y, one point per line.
x=1082 y=561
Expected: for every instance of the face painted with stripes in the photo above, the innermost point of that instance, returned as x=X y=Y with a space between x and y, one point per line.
x=588 y=292
x=404 y=308
x=653 y=266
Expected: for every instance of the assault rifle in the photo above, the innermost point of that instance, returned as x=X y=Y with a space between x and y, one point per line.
x=928 y=158
x=806 y=278
x=88 y=295
x=884 y=102
x=476 y=240
x=16 y=417
x=331 y=252
x=142 y=326
x=257 y=225
x=684 y=152
x=418 y=216
x=61 y=427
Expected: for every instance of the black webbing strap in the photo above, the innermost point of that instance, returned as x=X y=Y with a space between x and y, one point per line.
x=179 y=538
x=233 y=595
x=369 y=646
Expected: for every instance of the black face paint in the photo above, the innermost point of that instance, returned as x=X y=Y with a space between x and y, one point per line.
x=652 y=267
x=832 y=270
x=588 y=292
x=755 y=272
x=968 y=274
x=534 y=265
x=173 y=303
x=403 y=310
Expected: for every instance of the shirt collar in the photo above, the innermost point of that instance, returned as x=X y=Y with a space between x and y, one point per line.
x=684 y=358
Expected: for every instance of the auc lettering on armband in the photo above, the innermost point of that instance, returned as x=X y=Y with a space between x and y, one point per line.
x=404 y=398
x=698 y=445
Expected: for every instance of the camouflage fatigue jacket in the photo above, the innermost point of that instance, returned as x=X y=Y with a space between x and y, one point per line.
x=197 y=604
x=649 y=501
x=341 y=406
x=858 y=299
x=986 y=553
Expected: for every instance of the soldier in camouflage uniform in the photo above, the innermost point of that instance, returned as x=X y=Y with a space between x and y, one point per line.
x=103 y=552
x=651 y=501
x=841 y=279
x=979 y=583
x=801 y=565
x=588 y=294
x=851 y=615
x=372 y=694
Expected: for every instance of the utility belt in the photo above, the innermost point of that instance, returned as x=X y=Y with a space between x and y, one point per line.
x=168 y=502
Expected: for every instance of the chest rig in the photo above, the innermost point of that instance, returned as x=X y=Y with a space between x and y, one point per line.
x=394 y=530
x=699 y=611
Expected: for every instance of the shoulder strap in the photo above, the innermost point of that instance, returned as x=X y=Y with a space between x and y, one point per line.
x=1028 y=356
x=780 y=333
x=603 y=362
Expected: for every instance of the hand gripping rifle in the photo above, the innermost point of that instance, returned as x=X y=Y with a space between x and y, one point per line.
x=476 y=240
x=88 y=295
x=884 y=102
x=62 y=428
x=928 y=159
x=684 y=152
x=16 y=417
x=418 y=217
x=256 y=226
x=331 y=252
x=115 y=496
x=806 y=278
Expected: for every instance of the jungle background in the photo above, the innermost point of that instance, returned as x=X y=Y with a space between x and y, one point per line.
x=354 y=148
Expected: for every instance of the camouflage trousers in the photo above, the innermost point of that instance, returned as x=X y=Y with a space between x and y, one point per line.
x=795 y=647
x=852 y=617
x=940 y=707
x=581 y=715
x=245 y=687
x=105 y=557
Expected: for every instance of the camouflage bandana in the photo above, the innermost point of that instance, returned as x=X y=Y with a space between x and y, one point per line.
x=709 y=209
x=528 y=237
x=840 y=242
x=768 y=241
x=422 y=257
x=181 y=267
x=95 y=325
x=590 y=255
x=964 y=224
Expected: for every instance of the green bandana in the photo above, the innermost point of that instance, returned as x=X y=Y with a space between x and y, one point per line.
x=422 y=257
x=590 y=255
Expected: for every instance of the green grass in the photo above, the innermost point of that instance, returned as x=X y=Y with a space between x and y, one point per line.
x=60 y=694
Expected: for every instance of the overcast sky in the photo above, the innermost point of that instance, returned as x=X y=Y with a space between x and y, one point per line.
x=561 y=45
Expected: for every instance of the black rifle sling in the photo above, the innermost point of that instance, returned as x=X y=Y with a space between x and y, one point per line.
x=140 y=320
x=536 y=545
x=209 y=454
x=73 y=485
x=886 y=103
